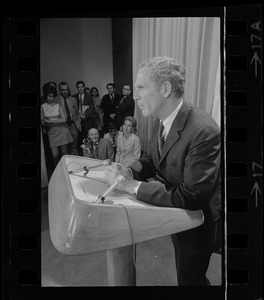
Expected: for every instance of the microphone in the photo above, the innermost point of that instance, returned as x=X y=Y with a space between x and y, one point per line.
x=86 y=169
x=104 y=163
x=101 y=198
x=79 y=170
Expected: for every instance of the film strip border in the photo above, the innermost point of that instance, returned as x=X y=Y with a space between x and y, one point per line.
x=244 y=152
x=21 y=155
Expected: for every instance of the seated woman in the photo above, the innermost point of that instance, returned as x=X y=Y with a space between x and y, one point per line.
x=112 y=134
x=128 y=143
x=96 y=147
x=53 y=120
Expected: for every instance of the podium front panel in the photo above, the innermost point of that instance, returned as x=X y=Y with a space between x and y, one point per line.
x=79 y=226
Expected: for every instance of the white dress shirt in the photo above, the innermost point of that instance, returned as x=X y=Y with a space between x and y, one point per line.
x=169 y=120
x=167 y=125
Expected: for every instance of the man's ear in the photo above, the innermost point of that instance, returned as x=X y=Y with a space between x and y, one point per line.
x=167 y=89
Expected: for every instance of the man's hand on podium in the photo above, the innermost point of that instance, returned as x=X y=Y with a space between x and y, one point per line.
x=117 y=169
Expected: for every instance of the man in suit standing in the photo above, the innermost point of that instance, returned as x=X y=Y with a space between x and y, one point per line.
x=126 y=106
x=109 y=103
x=70 y=108
x=184 y=156
x=87 y=112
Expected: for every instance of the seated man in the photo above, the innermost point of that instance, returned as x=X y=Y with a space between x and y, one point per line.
x=112 y=134
x=96 y=147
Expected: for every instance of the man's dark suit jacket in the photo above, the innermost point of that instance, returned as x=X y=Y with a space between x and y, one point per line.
x=190 y=165
x=109 y=108
x=90 y=120
x=125 y=108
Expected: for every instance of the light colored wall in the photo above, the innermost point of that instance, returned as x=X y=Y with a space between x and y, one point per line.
x=73 y=49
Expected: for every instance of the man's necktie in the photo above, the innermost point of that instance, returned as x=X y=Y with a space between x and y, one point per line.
x=112 y=99
x=161 y=136
x=96 y=150
x=68 y=114
x=80 y=103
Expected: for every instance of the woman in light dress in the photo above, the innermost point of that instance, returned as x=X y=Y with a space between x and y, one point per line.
x=54 y=124
x=128 y=143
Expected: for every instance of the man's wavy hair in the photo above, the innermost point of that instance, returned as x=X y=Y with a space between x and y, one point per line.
x=164 y=68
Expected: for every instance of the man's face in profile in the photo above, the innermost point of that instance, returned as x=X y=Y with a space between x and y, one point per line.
x=149 y=99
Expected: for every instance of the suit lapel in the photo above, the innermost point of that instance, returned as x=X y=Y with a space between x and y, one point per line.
x=61 y=103
x=109 y=101
x=176 y=126
x=80 y=101
x=69 y=104
x=86 y=99
x=154 y=143
x=122 y=100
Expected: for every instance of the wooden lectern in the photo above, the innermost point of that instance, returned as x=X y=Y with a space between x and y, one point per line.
x=79 y=226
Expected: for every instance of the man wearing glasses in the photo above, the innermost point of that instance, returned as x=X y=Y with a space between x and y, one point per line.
x=126 y=106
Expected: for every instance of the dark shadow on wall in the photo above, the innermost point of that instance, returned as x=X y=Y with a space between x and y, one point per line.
x=122 y=52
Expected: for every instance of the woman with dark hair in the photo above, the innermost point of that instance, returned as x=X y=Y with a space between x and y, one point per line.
x=53 y=120
x=128 y=143
x=98 y=107
x=87 y=90
x=44 y=87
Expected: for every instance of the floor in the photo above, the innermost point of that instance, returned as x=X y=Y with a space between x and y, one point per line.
x=155 y=265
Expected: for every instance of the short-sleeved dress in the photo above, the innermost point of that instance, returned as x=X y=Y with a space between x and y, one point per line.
x=58 y=135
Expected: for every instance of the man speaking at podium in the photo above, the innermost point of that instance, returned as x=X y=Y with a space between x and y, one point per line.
x=185 y=156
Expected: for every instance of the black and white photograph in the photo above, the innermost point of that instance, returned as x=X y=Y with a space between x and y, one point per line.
x=131 y=151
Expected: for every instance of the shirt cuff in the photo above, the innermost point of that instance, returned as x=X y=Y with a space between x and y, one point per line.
x=136 y=187
x=131 y=172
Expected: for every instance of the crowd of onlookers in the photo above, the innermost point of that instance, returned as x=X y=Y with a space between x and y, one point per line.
x=87 y=124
